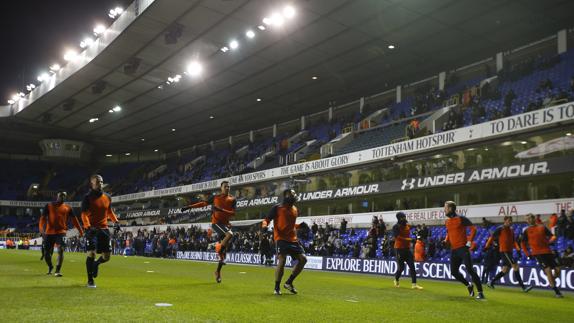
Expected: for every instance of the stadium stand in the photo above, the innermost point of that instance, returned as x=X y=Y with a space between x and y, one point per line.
x=525 y=86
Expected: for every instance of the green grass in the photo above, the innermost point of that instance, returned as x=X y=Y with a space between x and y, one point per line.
x=127 y=292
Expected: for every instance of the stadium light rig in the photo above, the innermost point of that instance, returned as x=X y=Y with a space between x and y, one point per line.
x=117 y=108
x=92 y=120
x=194 y=68
x=87 y=42
x=113 y=13
x=233 y=44
x=289 y=12
x=277 y=20
x=250 y=34
x=71 y=55
x=55 y=67
x=43 y=77
x=99 y=29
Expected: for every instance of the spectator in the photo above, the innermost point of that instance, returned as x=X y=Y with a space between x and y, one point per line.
x=343 y=227
x=265 y=250
x=420 y=255
x=562 y=224
x=314 y=228
x=567 y=257
x=486 y=223
x=382 y=228
x=490 y=262
x=538 y=219
x=508 y=98
x=544 y=85
x=552 y=221
x=424 y=232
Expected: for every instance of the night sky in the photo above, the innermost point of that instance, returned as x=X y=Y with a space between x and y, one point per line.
x=35 y=34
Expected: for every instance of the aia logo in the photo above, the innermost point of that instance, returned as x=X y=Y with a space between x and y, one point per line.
x=408 y=184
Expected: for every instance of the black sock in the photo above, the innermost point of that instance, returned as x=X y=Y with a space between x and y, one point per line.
x=498 y=276
x=48 y=260
x=89 y=266
x=556 y=290
x=100 y=260
x=219 y=265
x=519 y=278
x=277 y=284
x=58 y=268
x=290 y=279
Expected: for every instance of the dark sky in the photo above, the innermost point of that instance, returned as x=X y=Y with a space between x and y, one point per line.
x=35 y=33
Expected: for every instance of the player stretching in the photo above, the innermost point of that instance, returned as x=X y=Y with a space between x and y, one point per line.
x=538 y=238
x=459 y=247
x=96 y=211
x=402 y=232
x=223 y=207
x=285 y=236
x=53 y=227
x=505 y=237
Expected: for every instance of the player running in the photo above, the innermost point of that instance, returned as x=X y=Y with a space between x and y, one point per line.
x=459 y=247
x=223 y=207
x=96 y=211
x=284 y=216
x=53 y=227
x=402 y=232
x=538 y=238
x=504 y=235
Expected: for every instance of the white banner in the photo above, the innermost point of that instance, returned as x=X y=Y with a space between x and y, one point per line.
x=488 y=130
x=543 y=207
x=313 y=262
x=470 y=211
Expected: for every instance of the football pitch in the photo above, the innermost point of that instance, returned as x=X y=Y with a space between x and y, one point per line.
x=128 y=289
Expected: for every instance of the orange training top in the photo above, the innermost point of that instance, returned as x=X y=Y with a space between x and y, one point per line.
x=54 y=219
x=285 y=226
x=97 y=210
x=538 y=238
x=456 y=231
x=402 y=236
x=223 y=208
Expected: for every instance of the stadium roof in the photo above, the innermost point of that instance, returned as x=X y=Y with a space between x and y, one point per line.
x=344 y=43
